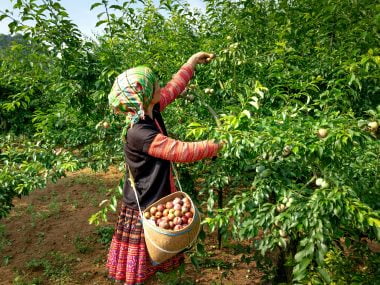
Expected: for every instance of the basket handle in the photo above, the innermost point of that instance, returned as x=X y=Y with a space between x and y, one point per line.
x=132 y=180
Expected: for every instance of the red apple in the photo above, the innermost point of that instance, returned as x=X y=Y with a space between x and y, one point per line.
x=177 y=227
x=160 y=207
x=185 y=209
x=158 y=214
x=177 y=207
x=187 y=204
x=153 y=210
x=177 y=221
x=189 y=215
x=177 y=201
x=171 y=224
x=164 y=225
x=184 y=220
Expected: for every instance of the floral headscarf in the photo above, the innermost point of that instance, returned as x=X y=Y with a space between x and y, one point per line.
x=131 y=92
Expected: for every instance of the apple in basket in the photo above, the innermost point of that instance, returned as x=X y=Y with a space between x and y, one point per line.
x=178 y=201
x=184 y=220
x=185 y=209
x=178 y=213
x=153 y=210
x=171 y=216
x=177 y=206
x=177 y=227
x=177 y=221
x=161 y=207
x=158 y=214
x=169 y=205
x=164 y=224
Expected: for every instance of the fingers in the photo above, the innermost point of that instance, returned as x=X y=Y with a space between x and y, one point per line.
x=206 y=57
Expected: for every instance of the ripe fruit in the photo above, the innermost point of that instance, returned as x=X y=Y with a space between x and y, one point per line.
x=172 y=215
x=185 y=220
x=177 y=207
x=177 y=227
x=160 y=208
x=164 y=225
x=373 y=126
x=177 y=221
x=322 y=133
x=184 y=209
x=177 y=201
x=147 y=215
x=158 y=214
x=169 y=205
x=153 y=210
x=178 y=213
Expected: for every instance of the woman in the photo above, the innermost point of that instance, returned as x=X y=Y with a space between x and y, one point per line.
x=148 y=153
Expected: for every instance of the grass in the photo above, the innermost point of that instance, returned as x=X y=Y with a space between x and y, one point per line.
x=84 y=244
x=4 y=241
x=174 y=277
x=20 y=280
x=55 y=266
x=84 y=179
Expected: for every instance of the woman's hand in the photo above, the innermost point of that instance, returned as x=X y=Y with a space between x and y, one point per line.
x=200 y=58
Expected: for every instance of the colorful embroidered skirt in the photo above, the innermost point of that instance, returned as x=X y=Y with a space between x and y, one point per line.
x=128 y=258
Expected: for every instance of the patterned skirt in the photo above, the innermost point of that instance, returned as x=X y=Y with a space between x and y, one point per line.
x=128 y=259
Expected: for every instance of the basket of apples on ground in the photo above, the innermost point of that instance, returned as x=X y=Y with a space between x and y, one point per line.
x=170 y=226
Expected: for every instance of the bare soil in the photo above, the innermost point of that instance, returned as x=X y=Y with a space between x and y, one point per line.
x=47 y=239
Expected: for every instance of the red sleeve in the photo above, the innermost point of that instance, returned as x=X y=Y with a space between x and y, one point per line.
x=177 y=151
x=176 y=86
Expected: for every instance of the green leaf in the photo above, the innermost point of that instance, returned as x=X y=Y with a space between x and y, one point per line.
x=93 y=6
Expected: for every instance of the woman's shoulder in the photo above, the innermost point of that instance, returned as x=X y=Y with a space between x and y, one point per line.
x=142 y=131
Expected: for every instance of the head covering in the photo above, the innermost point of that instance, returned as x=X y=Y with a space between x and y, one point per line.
x=131 y=92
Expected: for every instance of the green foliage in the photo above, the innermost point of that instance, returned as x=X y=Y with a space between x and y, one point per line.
x=55 y=266
x=105 y=234
x=294 y=93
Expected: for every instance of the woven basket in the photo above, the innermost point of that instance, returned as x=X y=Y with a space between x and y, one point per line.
x=163 y=244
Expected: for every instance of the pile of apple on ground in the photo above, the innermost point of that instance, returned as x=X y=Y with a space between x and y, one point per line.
x=173 y=215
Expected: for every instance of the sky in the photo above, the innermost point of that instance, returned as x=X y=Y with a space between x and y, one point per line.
x=79 y=11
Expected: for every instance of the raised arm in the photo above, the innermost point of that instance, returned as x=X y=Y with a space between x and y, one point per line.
x=178 y=84
x=177 y=151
